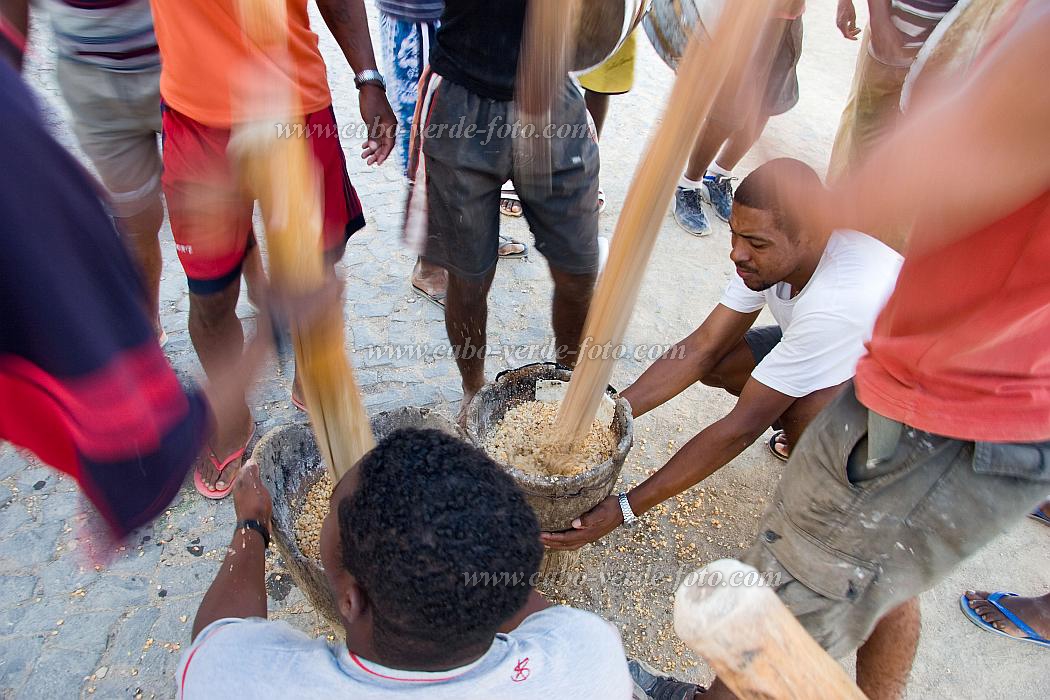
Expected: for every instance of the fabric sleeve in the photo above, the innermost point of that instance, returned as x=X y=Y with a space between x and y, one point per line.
x=818 y=350
x=739 y=298
x=86 y=387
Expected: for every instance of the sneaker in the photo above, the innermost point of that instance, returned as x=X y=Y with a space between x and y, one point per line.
x=719 y=190
x=689 y=211
x=657 y=687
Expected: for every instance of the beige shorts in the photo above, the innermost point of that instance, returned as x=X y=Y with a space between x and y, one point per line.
x=852 y=536
x=116 y=119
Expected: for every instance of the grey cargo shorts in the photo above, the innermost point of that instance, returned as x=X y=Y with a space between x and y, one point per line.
x=851 y=539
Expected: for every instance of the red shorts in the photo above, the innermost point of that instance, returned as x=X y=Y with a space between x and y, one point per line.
x=211 y=215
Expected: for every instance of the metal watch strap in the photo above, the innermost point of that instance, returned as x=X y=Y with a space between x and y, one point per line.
x=629 y=518
x=258 y=527
x=370 y=76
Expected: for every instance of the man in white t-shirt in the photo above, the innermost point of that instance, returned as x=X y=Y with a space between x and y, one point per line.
x=824 y=288
x=430 y=551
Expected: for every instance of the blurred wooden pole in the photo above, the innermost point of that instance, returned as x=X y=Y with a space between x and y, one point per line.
x=701 y=74
x=754 y=644
x=279 y=169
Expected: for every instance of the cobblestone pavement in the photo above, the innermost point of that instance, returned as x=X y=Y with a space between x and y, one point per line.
x=72 y=629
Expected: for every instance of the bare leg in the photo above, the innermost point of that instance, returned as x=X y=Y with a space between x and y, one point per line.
x=707 y=146
x=732 y=371
x=598 y=106
x=466 y=321
x=255 y=279
x=572 y=300
x=219 y=341
x=802 y=412
x=140 y=234
x=740 y=143
x=885 y=660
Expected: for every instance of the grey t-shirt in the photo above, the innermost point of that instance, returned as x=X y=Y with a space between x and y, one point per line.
x=558 y=652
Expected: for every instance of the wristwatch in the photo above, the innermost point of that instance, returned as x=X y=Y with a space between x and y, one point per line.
x=629 y=518
x=369 y=77
x=258 y=527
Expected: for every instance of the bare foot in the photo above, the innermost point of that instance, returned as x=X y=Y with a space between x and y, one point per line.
x=510 y=247
x=1034 y=612
x=433 y=280
x=510 y=207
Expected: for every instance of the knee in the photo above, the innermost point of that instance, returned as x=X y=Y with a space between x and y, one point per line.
x=213 y=310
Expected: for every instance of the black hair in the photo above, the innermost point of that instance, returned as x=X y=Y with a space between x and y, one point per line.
x=429 y=515
x=761 y=190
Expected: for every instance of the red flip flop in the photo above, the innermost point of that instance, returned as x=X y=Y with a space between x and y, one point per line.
x=212 y=494
x=299 y=404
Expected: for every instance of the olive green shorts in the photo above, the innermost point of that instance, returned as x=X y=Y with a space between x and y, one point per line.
x=852 y=538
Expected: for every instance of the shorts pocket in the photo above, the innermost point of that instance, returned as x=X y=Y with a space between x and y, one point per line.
x=1020 y=460
x=819 y=567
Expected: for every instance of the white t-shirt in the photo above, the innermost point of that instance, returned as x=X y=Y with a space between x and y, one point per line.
x=825 y=325
x=559 y=652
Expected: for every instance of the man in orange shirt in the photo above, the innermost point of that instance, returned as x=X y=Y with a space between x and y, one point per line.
x=943 y=442
x=206 y=60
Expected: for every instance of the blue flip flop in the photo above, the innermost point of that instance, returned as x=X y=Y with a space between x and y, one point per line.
x=1037 y=514
x=994 y=598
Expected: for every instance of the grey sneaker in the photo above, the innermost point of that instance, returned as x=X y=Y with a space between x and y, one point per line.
x=719 y=189
x=689 y=211
x=657 y=687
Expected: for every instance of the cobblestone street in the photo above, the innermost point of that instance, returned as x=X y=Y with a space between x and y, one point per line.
x=70 y=628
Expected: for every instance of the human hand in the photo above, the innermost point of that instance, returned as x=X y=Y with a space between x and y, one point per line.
x=251 y=500
x=589 y=527
x=846 y=20
x=382 y=124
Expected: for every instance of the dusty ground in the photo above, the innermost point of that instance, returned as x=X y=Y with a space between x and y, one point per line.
x=68 y=629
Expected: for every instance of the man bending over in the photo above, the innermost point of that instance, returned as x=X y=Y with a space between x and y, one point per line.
x=429 y=550
x=824 y=288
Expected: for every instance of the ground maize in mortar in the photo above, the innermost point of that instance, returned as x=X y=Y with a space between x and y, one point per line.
x=311 y=516
x=522 y=440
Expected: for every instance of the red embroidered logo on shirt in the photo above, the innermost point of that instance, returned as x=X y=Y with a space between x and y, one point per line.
x=521 y=671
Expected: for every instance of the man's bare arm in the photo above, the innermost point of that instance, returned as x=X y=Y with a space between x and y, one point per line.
x=348 y=22
x=995 y=124
x=688 y=361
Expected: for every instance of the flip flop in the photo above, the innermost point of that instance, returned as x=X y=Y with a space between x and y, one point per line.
x=775 y=446
x=1038 y=514
x=507 y=240
x=212 y=494
x=1031 y=635
x=437 y=300
x=299 y=404
x=601 y=200
x=509 y=193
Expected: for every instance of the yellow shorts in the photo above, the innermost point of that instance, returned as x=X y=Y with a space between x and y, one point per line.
x=615 y=75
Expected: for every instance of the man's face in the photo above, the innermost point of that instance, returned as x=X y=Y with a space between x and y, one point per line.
x=763 y=253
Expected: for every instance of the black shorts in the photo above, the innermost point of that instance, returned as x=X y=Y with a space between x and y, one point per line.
x=761 y=341
x=468 y=151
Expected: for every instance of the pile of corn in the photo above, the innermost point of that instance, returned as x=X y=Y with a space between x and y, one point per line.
x=310 y=518
x=522 y=440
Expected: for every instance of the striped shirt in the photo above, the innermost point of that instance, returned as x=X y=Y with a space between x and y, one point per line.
x=413 y=10
x=915 y=20
x=112 y=34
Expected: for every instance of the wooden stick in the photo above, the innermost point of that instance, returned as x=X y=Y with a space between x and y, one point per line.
x=700 y=76
x=279 y=169
x=756 y=646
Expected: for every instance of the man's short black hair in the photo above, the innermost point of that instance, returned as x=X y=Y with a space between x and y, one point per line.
x=431 y=511
x=760 y=189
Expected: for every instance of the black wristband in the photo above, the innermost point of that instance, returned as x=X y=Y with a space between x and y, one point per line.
x=258 y=527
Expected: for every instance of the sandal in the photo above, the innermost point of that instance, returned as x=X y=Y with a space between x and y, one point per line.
x=507 y=197
x=648 y=680
x=437 y=298
x=505 y=241
x=218 y=495
x=1031 y=636
x=779 y=447
x=601 y=200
